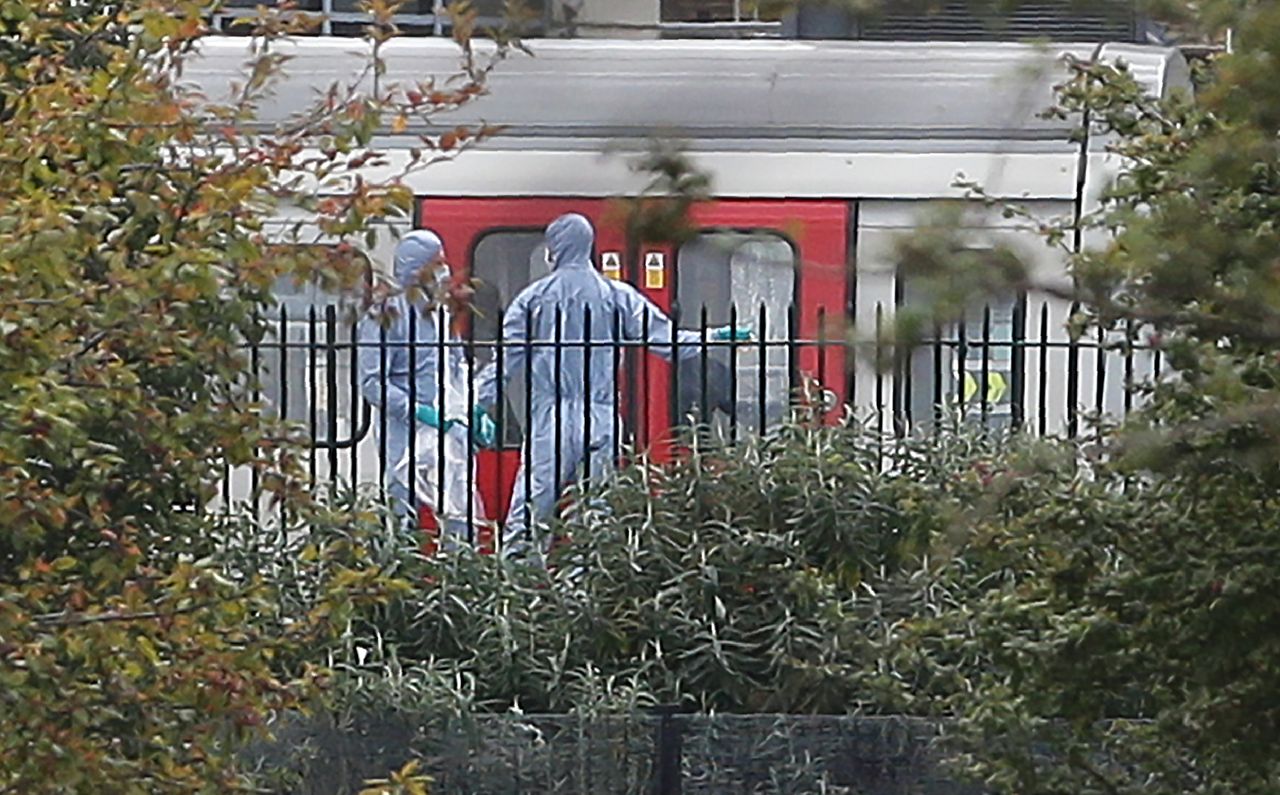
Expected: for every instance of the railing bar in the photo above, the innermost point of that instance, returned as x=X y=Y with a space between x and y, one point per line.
x=313 y=396
x=500 y=403
x=985 y=385
x=938 y=375
x=226 y=484
x=1017 y=360
x=674 y=369
x=587 y=402
x=1100 y=371
x=443 y=369
x=527 y=431
x=879 y=383
x=382 y=414
x=712 y=343
x=822 y=349
x=616 y=354
x=792 y=363
x=284 y=405
x=646 y=404
x=255 y=362
x=904 y=387
x=469 y=355
x=962 y=363
x=704 y=416
x=557 y=485
x=1128 y=366
x=411 y=487
x=331 y=387
x=1042 y=408
x=1073 y=375
x=355 y=406
x=762 y=374
x=733 y=374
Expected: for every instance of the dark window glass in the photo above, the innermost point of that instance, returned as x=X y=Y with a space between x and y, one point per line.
x=348 y=18
x=338 y=409
x=503 y=264
x=722 y=272
x=946 y=373
x=703 y=11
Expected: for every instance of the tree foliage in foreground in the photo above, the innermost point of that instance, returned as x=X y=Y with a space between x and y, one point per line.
x=1137 y=652
x=133 y=266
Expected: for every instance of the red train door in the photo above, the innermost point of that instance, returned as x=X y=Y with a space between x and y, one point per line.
x=778 y=267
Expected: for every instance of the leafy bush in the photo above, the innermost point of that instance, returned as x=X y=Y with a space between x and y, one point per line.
x=1122 y=640
x=1081 y=628
x=744 y=579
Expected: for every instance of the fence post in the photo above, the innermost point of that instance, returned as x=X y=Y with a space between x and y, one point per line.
x=1073 y=375
x=313 y=395
x=668 y=751
x=331 y=393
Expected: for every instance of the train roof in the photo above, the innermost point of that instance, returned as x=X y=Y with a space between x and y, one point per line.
x=779 y=96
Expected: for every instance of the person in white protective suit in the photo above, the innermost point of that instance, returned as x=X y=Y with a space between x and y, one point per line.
x=574 y=403
x=412 y=370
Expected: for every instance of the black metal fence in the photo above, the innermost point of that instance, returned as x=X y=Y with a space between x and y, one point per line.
x=591 y=390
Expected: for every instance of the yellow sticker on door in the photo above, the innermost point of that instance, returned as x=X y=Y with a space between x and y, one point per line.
x=655 y=270
x=611 y=264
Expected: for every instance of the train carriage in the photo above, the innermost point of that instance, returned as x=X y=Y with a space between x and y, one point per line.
x=821 y=155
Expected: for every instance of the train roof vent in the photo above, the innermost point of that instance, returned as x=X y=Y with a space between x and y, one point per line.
x=979 y=20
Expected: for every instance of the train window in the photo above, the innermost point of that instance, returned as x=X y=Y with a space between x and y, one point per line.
x=502 y=264
x=722 y=273
x=312 y=377
x=713 y=11
x=947 y=372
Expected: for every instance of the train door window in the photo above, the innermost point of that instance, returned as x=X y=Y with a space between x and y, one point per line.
x=948 y=371
x=725 y=273
x=502 y=264
x=306 y=364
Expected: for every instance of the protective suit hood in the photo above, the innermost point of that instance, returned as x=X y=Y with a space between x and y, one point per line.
x=414 y=251
x=569 y=239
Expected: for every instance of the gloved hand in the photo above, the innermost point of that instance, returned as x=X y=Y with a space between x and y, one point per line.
x=429 y=415
x=726 y=333
x=483 y=429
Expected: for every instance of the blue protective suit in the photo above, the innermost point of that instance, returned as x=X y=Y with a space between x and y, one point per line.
x=581 y=391
x=396 y=380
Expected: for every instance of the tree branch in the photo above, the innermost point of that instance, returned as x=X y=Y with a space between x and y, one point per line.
x=66 y=619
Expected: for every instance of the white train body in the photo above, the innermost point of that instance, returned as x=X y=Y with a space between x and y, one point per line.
x=835 y=148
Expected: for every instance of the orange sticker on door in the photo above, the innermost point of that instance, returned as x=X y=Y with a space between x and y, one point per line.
x=655 y=270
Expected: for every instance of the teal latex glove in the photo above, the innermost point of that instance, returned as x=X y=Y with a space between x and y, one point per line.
x=429 y=415
x=726 y=333
x=483 y=429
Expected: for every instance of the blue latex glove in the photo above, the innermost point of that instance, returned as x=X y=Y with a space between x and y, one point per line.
x=726 y=333
x=483 y=429
x=429 y=415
